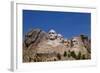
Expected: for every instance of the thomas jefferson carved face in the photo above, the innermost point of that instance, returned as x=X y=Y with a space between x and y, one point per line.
x=60 y=38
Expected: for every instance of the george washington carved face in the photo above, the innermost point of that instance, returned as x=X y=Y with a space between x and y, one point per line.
x=52 y=35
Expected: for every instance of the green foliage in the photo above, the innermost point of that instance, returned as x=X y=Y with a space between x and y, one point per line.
x=35 y=60
x=69 y=53
x=54 y=59
x=59 y=56
x=30 y=59
x=83 y=57
x=78 y=56
x=73 y=54
x=82 y=36
x=65 y=54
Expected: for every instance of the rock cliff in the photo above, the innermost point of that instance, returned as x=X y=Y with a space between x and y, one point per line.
x=37 y=47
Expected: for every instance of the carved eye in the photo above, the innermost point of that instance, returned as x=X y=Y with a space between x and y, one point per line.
x=51 y=33
x=74 y=41
x=65 y=42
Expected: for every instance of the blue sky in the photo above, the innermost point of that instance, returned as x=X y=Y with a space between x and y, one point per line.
x=69 y=24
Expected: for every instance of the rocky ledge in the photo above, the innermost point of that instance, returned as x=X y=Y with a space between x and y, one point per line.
x=41 y=46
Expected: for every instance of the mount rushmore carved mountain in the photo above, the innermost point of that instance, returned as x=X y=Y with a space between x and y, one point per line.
x=41 y=46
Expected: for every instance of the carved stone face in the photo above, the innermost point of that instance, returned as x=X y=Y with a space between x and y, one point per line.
x=52 y=35
x=67 y=43
x=75 y=41
x=60 y=38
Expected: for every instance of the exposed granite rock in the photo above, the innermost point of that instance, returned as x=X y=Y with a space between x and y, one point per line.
x=38 y=48
x=34 y=37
